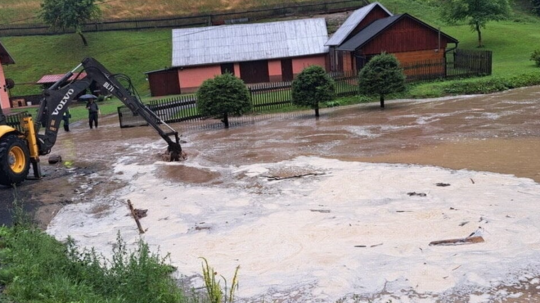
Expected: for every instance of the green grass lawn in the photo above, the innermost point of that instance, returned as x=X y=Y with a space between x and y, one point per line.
x=135 y=52
x=35 y=268
x=129 y=52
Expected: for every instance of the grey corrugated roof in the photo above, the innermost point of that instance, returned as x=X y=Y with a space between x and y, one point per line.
x=377 y=27
x=248 y=42
x=352 y=21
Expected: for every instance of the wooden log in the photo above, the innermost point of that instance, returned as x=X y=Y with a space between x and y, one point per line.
x=275 y=178
x=134 y=215
x=460 y=241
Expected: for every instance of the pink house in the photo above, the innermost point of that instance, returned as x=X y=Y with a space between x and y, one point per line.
x=5 y=59
x=256 y=53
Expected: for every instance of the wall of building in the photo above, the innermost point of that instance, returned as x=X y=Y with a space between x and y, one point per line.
x=405 y=36
x=419 y=56
x=274 y=70
x=163 y=83
x=375 y=14
x=427 y=62
x=349 y=63
x=191 y=78
x=300 y=63
x=4 y=96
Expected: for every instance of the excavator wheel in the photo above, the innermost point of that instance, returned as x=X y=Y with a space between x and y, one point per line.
x=14 y=160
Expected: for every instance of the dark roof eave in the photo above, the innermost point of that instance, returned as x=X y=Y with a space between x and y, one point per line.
x=160 y=70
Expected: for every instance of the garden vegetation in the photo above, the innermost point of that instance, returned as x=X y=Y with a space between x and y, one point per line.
x=35 y=267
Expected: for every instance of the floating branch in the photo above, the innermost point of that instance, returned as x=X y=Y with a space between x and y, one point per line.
x=135 y=216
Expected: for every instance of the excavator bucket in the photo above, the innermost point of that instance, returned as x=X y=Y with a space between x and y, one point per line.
x=175 y=152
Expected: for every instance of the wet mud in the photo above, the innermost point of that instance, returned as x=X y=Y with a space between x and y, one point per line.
x=189 y=174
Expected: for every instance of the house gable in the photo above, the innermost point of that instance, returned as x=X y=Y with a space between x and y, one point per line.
x=399 y=33
x=357 y=21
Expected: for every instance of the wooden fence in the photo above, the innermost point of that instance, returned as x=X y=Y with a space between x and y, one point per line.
x=458 y=64
x=269 y=96
x=230 y=17
x=264 y=97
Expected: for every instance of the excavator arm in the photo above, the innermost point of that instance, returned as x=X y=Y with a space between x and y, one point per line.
x=61 y=94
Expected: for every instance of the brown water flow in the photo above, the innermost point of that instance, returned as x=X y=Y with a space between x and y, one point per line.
x=496 y=133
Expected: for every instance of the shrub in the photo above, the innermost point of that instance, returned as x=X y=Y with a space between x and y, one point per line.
x=312 y=86
x=536 y=6
x=535 y=56
x=222 y=96
x=381 y=76
x=38 y=268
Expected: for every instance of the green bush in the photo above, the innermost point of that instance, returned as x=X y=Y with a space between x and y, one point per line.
x=38 y=268
x=381 y=76
x=222 y=96
x=313 y=86
x=536 y=6
x=535 y=56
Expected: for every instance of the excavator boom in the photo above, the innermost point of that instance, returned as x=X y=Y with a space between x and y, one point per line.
x=60 y=94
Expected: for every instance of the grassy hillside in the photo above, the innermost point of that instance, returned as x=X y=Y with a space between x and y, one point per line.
x=26 y=11
x=136 y=52
x=128 y=52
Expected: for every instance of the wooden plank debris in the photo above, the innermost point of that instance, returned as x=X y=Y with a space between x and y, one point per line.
x=275 y=178
x=460 y=241
x=374 y=245
x=325 y=211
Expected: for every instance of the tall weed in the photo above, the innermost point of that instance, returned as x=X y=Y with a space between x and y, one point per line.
x=213 y=286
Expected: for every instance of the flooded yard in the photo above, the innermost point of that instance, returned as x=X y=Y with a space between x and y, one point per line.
x=317 y=210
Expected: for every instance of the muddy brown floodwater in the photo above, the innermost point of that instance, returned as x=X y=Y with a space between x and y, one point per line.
x=496 y=133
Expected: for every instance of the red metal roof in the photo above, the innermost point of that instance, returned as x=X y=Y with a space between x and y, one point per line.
x=53 y=78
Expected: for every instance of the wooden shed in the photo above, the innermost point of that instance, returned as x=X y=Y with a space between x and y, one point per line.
x=356 y=22
x=163 y=82
x=408 y=38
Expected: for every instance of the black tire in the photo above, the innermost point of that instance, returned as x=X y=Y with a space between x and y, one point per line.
x=14 y=160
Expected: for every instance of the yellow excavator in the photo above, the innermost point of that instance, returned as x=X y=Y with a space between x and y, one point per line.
x=21 y=143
